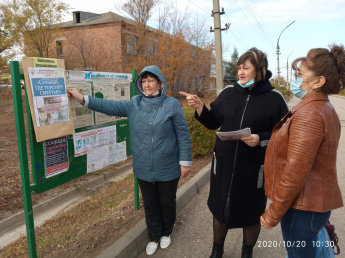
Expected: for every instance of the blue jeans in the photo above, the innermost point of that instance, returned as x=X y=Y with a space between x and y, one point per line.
x=300 y=230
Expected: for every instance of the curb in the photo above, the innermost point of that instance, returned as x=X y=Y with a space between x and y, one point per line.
x=18 y=219
x=136 y=239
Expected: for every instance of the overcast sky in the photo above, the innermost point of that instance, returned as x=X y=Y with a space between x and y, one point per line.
x=257 y=23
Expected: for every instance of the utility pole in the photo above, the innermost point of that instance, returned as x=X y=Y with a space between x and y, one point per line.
x=278 y=52
x=287 y=72
x=218 y=41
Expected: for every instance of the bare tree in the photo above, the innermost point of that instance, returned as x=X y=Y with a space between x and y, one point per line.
x=139 y=39
x=86 y=51
x=185 y=54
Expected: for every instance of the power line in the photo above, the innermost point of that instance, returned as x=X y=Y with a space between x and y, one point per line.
x=252 y=11
x=251 y=23
x=199 y=7
x=259 y=15
x=233 y=29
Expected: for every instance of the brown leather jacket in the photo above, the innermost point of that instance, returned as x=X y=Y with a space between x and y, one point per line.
x=300 y=162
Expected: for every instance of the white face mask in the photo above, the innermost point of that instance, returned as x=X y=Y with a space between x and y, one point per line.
x=154 y=94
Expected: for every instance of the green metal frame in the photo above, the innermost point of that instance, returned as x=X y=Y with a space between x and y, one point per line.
x=77 y=164
x=23 y=156
x=136 y=186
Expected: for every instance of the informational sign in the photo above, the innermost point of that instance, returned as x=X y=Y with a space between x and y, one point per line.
x=73 y=75
x=45 y=62
x=55 y=156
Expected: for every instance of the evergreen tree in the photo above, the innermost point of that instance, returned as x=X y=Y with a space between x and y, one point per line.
x=231 y=70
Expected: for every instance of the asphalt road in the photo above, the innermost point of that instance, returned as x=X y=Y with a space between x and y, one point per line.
x=193 y=236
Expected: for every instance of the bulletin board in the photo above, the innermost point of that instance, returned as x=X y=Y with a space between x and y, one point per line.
x=69 y=165
x=72 y=164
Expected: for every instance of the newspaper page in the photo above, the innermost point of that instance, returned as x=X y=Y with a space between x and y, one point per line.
x=122 y=90
x=115 y=90
x=234 y=135
x=82 y=116
x=49 y=95
x=107 y=91
x=55 y=156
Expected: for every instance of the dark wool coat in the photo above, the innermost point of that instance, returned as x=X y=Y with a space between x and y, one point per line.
x=238 y=168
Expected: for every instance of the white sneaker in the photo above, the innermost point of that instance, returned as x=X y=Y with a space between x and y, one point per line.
x=151 y=248
x=165 y=241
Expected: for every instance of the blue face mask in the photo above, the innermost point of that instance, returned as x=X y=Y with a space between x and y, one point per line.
x=248 y=84
x=295 y=87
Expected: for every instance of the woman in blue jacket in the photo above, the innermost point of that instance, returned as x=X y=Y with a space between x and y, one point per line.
x=160 y=144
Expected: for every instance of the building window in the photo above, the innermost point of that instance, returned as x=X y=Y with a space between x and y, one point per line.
x=59 y=52
x=132 y=46
x=195 y=82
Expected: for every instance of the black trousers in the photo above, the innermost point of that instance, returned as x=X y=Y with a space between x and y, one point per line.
x=160 y=206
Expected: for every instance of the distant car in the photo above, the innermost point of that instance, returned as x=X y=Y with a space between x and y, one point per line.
x=22 y=86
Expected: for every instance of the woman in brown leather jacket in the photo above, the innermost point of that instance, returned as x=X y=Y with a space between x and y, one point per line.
x=300 y=163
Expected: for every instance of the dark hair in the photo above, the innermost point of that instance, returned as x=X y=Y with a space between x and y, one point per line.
x=147 y=74
x=327 y=63
x=258 y=59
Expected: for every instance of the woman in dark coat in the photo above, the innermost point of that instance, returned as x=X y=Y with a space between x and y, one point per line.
x=237 y=197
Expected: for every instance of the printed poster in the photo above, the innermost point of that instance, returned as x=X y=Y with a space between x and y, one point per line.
x=55 y=156
x=49 y=95
x=49 y=106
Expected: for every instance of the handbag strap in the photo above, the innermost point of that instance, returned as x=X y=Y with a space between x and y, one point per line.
x=333 y=237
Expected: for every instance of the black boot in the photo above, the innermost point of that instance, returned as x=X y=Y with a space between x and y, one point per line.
x=247 y=251
x=217 y=250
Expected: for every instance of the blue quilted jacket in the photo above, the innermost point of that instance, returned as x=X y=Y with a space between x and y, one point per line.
x=158 y=130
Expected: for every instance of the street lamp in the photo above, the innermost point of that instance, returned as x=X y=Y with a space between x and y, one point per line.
x=287 y=72
x=278 y=51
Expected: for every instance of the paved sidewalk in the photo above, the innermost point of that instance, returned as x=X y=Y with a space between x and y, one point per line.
x=193 y=236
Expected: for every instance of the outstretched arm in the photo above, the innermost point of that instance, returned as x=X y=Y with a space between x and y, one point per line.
x=193 y=101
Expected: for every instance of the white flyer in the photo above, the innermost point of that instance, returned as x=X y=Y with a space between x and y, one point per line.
x=97 y=158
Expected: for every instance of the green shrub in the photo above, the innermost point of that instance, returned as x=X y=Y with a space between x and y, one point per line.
x=286 y=93
x=342 y=92
x=202 y=139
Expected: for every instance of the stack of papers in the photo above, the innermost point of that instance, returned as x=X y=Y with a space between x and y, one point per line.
x=234 y=135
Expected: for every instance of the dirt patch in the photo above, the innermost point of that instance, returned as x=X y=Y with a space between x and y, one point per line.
x=105 y=232
x=89 y=228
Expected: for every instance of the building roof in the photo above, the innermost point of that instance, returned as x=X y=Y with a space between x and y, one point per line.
x=102 y=18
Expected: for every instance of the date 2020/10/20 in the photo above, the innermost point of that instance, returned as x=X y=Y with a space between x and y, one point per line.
x=281 y=243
